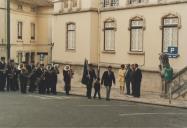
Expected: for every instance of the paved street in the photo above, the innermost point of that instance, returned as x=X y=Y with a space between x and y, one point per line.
x=44 y=111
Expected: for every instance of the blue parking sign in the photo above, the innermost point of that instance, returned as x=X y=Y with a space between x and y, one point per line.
x=172 y=52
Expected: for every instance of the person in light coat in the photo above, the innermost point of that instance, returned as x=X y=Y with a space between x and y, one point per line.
x=121 y=78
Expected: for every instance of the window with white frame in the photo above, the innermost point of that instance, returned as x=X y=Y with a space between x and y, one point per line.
x=33 y=31
x=19 y=29
x=109 y=3
x=114 y=2
x=170 y=32
x=109 y=35
x=106 y=3
x=71 y=36
x=136 y=1
x=136 y=35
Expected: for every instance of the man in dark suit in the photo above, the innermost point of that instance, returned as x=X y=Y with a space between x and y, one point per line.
x=138 y=79
x=132 y=79
x=107 y=79
x=2 y=74
x=67 y=73
x=91 y=76
x=32 y=77
x=128 y=78
x=54 y=78
x=23 y=78
x=12 y=74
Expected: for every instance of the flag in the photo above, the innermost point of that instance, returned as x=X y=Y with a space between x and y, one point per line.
x=85 y=73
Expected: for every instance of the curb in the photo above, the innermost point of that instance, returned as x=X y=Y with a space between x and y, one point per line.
x=140 y=102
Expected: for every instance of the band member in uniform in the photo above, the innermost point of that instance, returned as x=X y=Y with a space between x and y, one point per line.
x=2 y=74
x=68 y=74
x=53 y=77
x=48 y=81
x=32 y=77
x=12 y=83
x=23 y=78
x=42 y=72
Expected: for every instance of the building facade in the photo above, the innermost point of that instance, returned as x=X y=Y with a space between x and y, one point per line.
x=30 y=30
x=106 y=32
x=3 y=27
x=75 y=31
x=121 y=32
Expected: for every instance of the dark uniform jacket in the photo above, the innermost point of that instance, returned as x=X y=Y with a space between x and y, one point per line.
x=128 y=74
x=108 y=78
x=91 y=76
x=2 y=68
x=67 y=76
x=138 y=76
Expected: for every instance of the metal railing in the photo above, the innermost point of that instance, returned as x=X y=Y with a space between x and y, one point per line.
x=178 y=81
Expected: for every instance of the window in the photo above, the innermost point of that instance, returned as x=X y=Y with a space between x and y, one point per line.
x=71 y=37
x=108 y=3
x=114 y=2
x=170 y=32
x=20 y=57
x=74 y=3
x=20 y=7
x=136 y=35
x=19 y=28
x=32 y=31
x=65 y=3
x=136 y=1
x=33 y=57
x=33 y=9
x=109 y=36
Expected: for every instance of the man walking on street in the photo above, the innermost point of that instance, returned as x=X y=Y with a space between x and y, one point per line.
x=91 y=76
x=107 y=79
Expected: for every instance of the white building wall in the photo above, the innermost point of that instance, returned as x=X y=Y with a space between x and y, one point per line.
x=83 y=40
x=3 y=28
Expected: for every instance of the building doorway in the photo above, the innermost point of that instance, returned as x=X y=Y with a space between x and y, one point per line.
x=27 y=57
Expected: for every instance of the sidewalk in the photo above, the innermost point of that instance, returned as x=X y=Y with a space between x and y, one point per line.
x=146 y=97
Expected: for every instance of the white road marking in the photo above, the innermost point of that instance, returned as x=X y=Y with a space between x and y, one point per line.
x=45 y=97
x=105 y=105
x=142 y=114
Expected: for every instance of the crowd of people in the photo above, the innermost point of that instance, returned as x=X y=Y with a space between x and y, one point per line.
x=35 y=77
x=129 y=77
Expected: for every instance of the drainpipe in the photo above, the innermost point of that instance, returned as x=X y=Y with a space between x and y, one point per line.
x=99 y=28
x=51 y=52
x=8 y=30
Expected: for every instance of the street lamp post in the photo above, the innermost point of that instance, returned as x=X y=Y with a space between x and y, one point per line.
x=98 y=43
x=8 y=30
